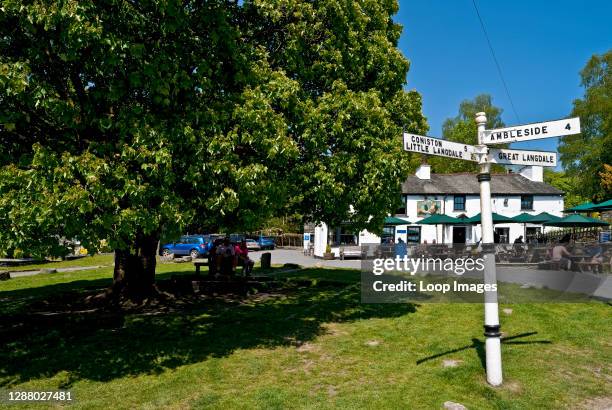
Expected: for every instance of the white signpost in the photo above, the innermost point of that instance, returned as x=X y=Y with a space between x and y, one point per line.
x=533 y=131
x=485 y=157
x=522 y=157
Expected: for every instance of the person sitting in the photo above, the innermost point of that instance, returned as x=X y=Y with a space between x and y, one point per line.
x=226 y=258
x=596 y=257
x=242 y=257
x=212 y=257
x=561 y=254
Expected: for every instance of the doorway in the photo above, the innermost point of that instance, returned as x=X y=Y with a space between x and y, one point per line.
x=459 y=234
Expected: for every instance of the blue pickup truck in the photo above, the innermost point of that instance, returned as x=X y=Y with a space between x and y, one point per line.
x=196 y=246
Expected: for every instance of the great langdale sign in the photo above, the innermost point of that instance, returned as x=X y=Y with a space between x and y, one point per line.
x=533 y=131
x=522 y=157
x=436 y=146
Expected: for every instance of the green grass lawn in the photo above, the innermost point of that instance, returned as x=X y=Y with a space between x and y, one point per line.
x=307 y=346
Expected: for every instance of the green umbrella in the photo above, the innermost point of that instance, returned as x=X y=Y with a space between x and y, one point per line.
x=391 y=220
x=523 y=218
x=439 y=219
x=544 y=217
x=603 y=206
x=497 y=219
x=577 y=221
x=586 y=207
x=526 y=218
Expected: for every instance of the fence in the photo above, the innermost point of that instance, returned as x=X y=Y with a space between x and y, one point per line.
x=577 y=234
x=289 y=240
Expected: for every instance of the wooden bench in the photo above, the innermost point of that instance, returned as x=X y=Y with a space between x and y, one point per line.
x=352 y=251
x=198 y=263
x=595 y=267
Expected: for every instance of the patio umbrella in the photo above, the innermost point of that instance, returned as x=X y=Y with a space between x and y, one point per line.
x=525 y=218
x=544 y=217
x=586 y=207
x=391 y=220
x=603 y=206
x=577 y=221
x=497 y=219
x=439 y=219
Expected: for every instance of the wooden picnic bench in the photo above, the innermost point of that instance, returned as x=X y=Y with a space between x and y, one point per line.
x=198 y=263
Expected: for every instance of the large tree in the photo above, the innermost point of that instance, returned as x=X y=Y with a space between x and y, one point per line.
x=462 y=128
x=585 y=155
x=124 y=119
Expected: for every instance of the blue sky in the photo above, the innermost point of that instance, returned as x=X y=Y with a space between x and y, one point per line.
x=540 y=45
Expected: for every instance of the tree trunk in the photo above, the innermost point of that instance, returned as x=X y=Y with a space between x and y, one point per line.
x=134 y=273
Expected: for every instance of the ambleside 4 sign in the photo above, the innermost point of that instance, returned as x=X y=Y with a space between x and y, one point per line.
x=533 y=131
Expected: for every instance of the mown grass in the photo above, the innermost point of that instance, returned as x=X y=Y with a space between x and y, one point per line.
x=312 y=345
x=93 y=260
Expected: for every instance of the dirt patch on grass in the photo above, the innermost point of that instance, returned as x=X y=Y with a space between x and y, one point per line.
x=597 y=403
x=513 y=386
x=333 y=329
x=307 y=347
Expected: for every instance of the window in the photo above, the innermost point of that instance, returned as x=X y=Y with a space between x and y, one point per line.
x=402 y=208
x=459 y=203
x=413 y=234
x=388 y=234
x=501 y=235
x=526 y=202
x=343 y=235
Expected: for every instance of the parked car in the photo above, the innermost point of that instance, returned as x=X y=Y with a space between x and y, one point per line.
x=236 y=237
x=196 y=246
x=266 y=242
x=252 y=245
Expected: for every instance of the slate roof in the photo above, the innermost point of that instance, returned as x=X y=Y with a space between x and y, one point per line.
x=466 y=183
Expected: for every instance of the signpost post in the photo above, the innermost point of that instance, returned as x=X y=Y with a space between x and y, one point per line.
x=491 y=320
x=485 y=157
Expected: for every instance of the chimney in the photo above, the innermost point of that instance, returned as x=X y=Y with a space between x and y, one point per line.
x=533 y=173
x=423 y=171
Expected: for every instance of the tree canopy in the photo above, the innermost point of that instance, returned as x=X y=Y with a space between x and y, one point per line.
x=123 y=119
x=463 y=129
x=585 y=155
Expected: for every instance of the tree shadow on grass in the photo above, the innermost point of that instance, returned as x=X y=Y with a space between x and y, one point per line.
x=150 y=343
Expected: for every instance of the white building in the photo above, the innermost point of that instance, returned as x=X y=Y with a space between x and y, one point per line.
x=455 y=195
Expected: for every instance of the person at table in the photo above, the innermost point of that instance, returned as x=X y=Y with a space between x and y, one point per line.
x=212 y=257
x=242 y=258
x=226 y=258
x=562 y=255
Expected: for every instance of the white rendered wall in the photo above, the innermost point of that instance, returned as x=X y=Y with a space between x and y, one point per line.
x=504 y=205
x=320 y=240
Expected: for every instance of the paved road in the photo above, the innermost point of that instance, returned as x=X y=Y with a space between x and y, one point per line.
x=600 y=285
x=587 y=283
x=282 y=256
